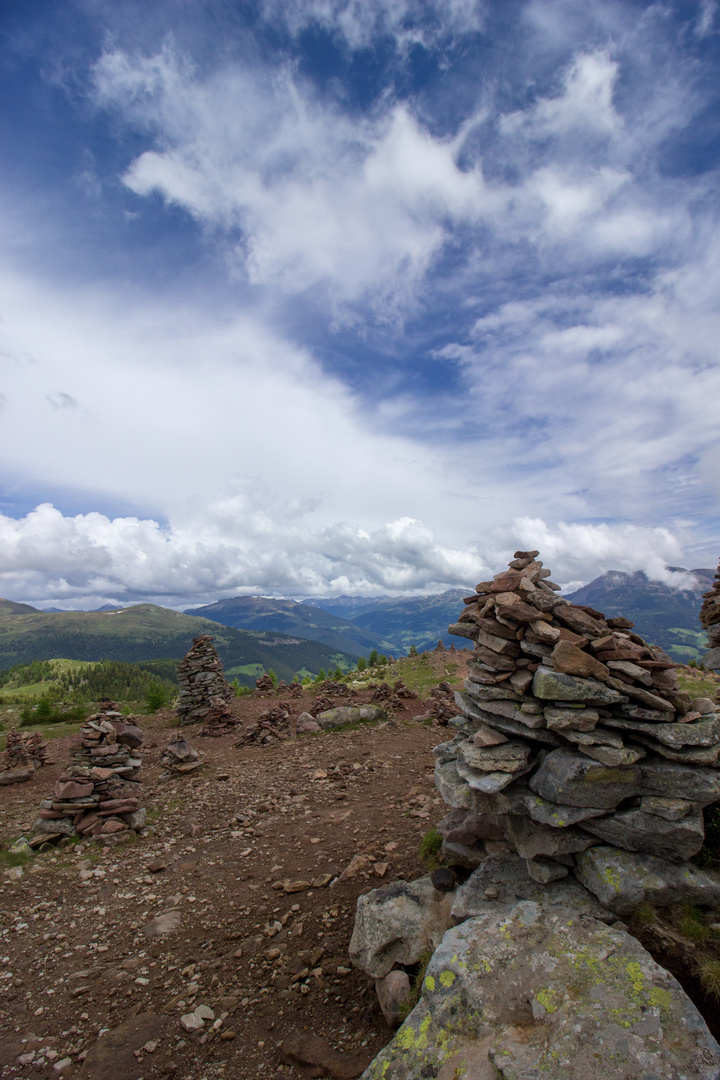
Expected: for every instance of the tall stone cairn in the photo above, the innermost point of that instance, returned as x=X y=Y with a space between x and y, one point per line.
x=571 y=733
x=710 y=621
x=201 y=681
x=100 y=792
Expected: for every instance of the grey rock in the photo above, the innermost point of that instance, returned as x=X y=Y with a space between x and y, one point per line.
x=653 y=701
x=545 y=870
x=571 y=779
x=393 y=994
x=676 y=736
x=640 y=713
x=711 y=659
x=622 y=880
x=510 y=727
x=577 y=719
x=636 y=830
x=670 y=809
x=63 y=826
x=612 y=756
x=455 y=792
x=553 y=686
x=704 y=706
x=487 y=782
x=468 y=855
x=490 y=693
x=689 y=755
x=701 y=786
x=163 y=924
x=559 y=817
x=397 y=923
x=534 y=991
x=349 y=714
x=508 y=880
x=598 y=737
x=507 y=709
x=531 y=839
x=509 y=757
x=447 y=751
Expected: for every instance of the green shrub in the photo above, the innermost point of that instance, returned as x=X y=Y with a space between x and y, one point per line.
x=156 y=697
x=429 y=850
x=362 y=664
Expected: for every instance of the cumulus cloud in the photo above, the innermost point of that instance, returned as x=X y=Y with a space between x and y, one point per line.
x=48 y=556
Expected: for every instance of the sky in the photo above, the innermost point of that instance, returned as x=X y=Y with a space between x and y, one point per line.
x=311 y=297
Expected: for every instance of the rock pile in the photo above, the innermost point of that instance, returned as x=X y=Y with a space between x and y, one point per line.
x=571 y=733
x=100 y=792
x=710 y=621
x=179 y=757
x=25 y=751
x=270 y=727
x=201 y=681
x=219 y=719
x=264 y=685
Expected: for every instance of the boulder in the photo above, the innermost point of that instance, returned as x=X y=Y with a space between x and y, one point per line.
x=622 y=880
x=393 y=994
x=534 y=991
x=349 y=714
x=397 y=923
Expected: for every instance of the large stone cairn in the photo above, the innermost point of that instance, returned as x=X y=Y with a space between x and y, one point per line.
x=710 y=621
x=100 y=792
x=201 y=681
x=571 y=733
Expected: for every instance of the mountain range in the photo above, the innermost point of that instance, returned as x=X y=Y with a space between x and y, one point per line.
x=662 y=615
x=149 y=632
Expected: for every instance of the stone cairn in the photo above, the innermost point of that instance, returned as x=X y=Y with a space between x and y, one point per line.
x=179 y=757
x=710 y=621
x=25 y=751
x=201 y=681
x=571 y=733
x=100 y=792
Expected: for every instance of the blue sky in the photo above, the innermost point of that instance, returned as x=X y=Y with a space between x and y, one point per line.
x=327 y=296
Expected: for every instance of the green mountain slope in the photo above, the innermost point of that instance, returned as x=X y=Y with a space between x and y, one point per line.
x=417 y=620
x=662 y=615
x=290 y=617
x=148 y=632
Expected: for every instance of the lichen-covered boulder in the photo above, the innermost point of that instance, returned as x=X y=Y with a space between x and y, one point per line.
x=532 y=992
x=397 y=923
x=623 y=879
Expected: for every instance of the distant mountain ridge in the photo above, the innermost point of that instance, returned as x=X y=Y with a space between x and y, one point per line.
x=269 y=614
x=148 y=632
x=662 y=615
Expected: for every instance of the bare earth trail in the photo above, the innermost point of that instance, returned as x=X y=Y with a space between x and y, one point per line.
x=77 y=953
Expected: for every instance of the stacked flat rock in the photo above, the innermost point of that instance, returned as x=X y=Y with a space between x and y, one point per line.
x=201 y=680
x=571 y=733
x=24 y=748
x=180 y=757
x=710 y=621
x=100 y=792
x=219 y=719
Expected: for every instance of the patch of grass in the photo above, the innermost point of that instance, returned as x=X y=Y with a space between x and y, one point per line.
x=644 y=914
x=690 y=922
x=416 y=983
x=702 y=684
x=7 y=859
x=708 y=971
x=429 y=849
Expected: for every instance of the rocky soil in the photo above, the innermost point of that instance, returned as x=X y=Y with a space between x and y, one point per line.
x=236 y=909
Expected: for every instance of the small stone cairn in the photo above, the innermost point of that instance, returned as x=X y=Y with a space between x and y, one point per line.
x=99 y=793
x=179 y=757
x=25 y=751
x=710 y=621
x=571 y=734
x=201 y=681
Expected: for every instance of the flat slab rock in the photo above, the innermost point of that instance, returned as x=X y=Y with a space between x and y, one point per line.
x=623 y=879
x=533 y=991
x=507 y=880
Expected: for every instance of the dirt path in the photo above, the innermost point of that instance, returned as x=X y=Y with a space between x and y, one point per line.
x=77 y=959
